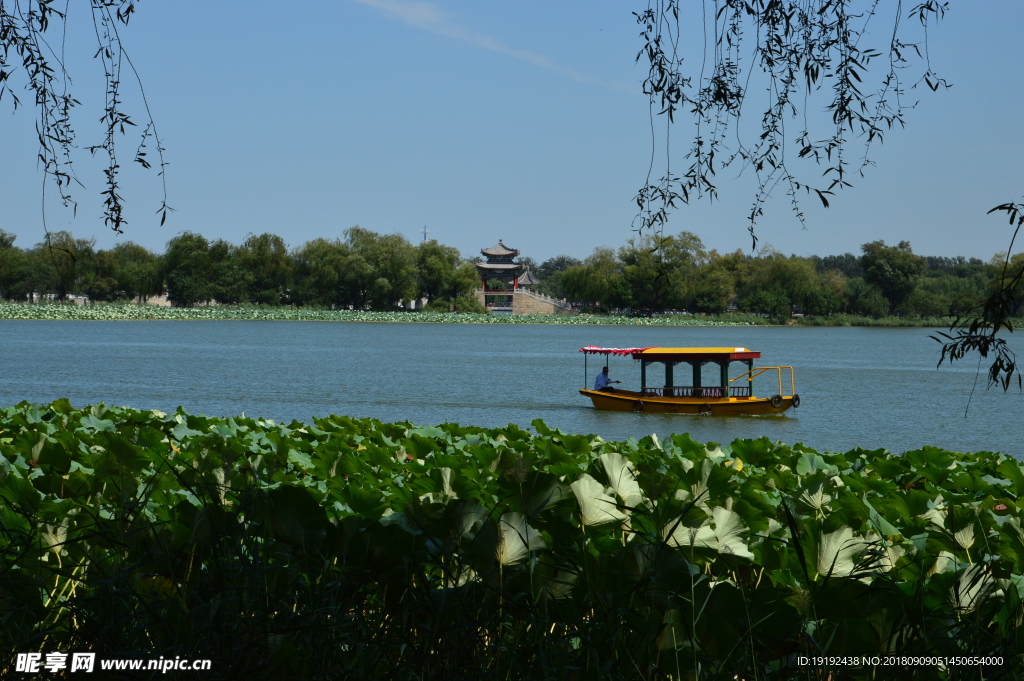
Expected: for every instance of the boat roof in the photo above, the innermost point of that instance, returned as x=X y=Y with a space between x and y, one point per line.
x=595 y=350
x=694 y=354
x=655 y=354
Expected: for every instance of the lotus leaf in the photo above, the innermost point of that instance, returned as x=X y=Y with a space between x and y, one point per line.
x=492 y=549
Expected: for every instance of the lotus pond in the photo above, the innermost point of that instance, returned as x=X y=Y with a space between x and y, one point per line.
x=132 y=312
x=351 y=548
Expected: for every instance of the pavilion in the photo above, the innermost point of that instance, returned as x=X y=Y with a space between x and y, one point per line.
x=506 y=285
x=499 y=277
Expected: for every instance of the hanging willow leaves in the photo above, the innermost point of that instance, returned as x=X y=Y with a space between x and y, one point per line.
x=809 y=57
x=32 y=55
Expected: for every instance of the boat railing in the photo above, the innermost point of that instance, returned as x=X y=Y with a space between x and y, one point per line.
x=691 y=391
x=754 y=373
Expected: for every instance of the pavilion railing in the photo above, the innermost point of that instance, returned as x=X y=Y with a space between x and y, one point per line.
x=547 y=299
x=525 y=292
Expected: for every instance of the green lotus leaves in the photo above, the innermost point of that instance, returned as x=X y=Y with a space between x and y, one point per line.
x=132 y=312
x=622 y=478
x=836 y=553
x=296 y=518
x=516 y=539
x=669 y=552
x=541 y=491
x=596 y=505
x=724 y=532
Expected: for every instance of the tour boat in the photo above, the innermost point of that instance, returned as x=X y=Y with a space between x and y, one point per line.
x=696 y=398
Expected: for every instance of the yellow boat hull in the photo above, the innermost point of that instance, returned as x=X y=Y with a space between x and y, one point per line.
x=627 y=400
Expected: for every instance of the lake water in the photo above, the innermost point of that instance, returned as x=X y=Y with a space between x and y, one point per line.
x=867 y=387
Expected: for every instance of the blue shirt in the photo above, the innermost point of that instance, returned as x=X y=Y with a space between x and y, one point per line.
x=602 y=381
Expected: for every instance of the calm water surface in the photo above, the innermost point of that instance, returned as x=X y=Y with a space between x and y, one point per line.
x=862 y=387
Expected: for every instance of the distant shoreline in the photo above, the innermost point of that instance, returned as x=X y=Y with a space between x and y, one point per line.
x=134 y=312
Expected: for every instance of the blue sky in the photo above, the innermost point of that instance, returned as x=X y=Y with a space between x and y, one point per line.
x=522 y=121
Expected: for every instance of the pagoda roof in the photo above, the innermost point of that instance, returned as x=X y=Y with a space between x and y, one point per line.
x=527 y=279
x=501 y=266
x=500 y=251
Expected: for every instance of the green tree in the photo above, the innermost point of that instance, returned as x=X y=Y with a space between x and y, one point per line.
x=962 y=302
x=1009 y=280
x=266 y=268
x=894 y=270
x=99 y=284
x=187 y=269
x=437 y=269
x=830 y=295
x=229 y=282
x=774 y=303
x=793 y=277
x=924 y=303
x=660 y=270
x=14 y=269
x=461 y=293
x=382 y=270
x=712 y=290
x=591 y=283
x=137 y=271
x=654 y=280
x=847 y=263
x=550 y=273
x=63 y=264
x=319 y=268
x=865 y=299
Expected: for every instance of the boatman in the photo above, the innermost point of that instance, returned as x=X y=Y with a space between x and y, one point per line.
x=602 y=382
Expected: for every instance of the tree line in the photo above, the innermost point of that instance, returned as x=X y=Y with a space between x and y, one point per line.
x=367 y=270
x=362 y=270
x=656 y=273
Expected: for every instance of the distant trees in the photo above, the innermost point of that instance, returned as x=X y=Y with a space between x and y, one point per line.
x=445 y=280
x=265 y=268
x=319 y=271
x=13 y=269
x=381 y=269
x=653 y=273
x=127 y=271
x=895 y=270
x=551 y=272
x=363 y=269
x=367 y=270
x=188 y=269
x=592 y=281
x=775 y=284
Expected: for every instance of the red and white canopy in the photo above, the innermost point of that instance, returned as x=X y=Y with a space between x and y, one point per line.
x=594 y=350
